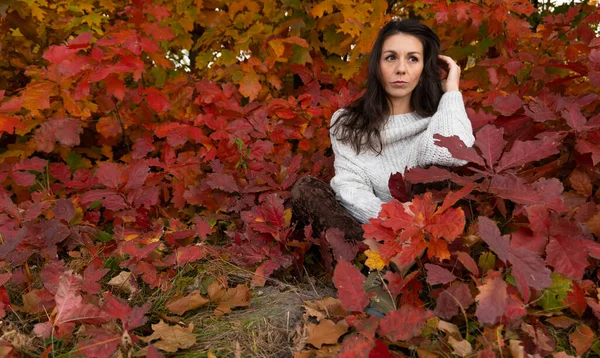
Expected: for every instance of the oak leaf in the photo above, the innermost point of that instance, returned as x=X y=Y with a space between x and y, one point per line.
x=325 y=332
x=187 y=303
x=171 y=338
x=349 y=282
x=404 y=323
x=233 y=297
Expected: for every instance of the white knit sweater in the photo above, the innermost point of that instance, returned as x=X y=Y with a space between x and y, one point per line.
x=361 y=181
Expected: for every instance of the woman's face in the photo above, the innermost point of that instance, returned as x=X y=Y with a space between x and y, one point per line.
x=401 y=65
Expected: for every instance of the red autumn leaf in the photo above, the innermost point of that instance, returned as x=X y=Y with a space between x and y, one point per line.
x=395 y=215
x=458 y=149
x=447 y=225
x=568 y=256
x=116 y=307
x=58 y=54
x=396 y=283
x=437 y=274
x=34 y=163
x=202 y=227
x=148 y=272
x=222 y=181
x=263 y=272
x=51 y=275
x=490 y=142
x=357 y=346
x=91 y=276
x=530 y=151
x=65 y=131
x=23 y=178
x=102 y=344
x=508 y=105
x=185 y=255
x=583 y=146
x=545 y=191
x=572 y=115
x=115 y=87
x=64 y=209
x=9 y=123
x=491 y=300
x=531 y=267
x=404 y=323
x=522 y=286
x=399 y=188
x=491 y=235
x=467 y=262
x=452 y=299
x=349 y=282
x=454 y=196
x=342 y=250
x=380 y=350
x=576 y=299
x=142 y=147
x=137 y=175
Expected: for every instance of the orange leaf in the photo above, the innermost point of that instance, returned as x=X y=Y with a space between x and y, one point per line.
x=234 y=297
x=582 y=338
x=326 y=332
x=250 y=85
x=187 y=303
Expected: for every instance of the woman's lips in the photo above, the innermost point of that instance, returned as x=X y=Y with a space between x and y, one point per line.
x=399 y=83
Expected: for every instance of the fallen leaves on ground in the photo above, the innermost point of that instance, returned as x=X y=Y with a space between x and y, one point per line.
x=190 y=302
x=171 y=338
x=326 y=332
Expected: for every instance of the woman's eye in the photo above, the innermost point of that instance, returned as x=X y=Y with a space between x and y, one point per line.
x=413 y=59
x=390 y=58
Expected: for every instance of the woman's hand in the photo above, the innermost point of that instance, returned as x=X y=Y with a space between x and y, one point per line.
x=453 y=79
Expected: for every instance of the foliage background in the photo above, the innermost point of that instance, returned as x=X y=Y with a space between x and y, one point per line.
x=119 y=156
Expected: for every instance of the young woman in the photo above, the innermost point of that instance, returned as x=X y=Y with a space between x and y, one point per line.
x=388 y=130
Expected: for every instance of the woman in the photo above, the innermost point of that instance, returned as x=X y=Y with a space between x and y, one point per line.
x=388 y=130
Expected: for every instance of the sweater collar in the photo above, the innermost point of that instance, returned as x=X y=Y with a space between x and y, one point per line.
x=402 y=126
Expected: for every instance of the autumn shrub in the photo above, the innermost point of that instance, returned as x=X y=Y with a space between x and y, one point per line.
x=140 y=138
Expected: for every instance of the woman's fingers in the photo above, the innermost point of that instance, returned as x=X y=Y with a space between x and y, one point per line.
x=453 y=79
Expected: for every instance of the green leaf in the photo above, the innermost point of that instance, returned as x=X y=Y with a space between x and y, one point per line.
x=76 y=161
x=487 y=261
x=104 y=236
x=94 y=204
x=554 y=296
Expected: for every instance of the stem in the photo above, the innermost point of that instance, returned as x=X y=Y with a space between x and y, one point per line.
x=122 y=126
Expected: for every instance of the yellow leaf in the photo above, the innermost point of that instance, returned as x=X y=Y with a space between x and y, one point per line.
x=319 y=9
x=374 y=260
x=277 y=46
x=16 y=32
x=287 y=214
x=131 y=237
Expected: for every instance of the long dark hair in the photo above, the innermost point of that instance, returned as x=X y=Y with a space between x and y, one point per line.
x=361 y=122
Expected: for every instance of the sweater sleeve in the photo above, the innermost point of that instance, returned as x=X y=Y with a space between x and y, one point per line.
x=351 y=185
x=450 y=120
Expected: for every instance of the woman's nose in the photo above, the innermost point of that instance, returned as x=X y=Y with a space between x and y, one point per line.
x=400 y=68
